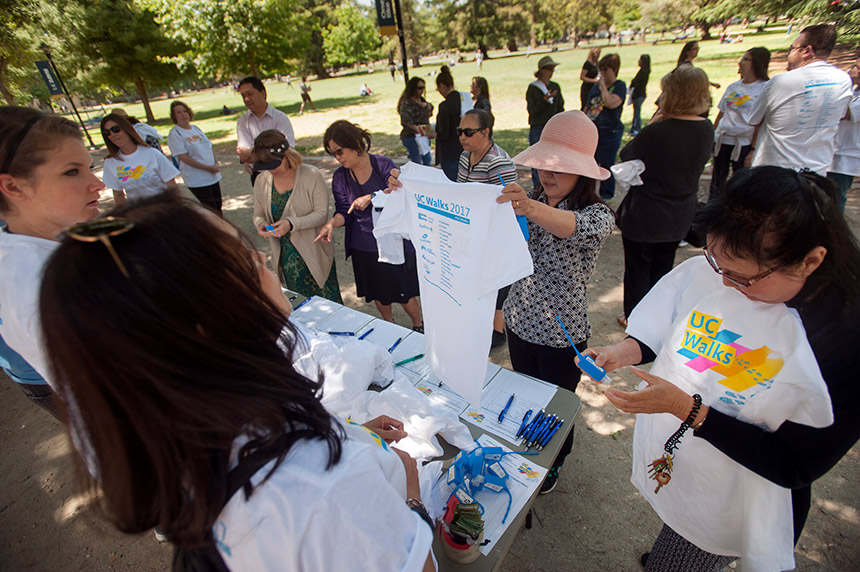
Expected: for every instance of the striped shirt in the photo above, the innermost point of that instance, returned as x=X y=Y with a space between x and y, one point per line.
x=494 y=163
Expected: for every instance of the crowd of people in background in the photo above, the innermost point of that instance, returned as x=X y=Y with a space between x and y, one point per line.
x=773 y=238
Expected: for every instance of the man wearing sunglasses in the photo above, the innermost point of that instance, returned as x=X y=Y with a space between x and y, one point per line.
x=259 y=117
x=798 y=112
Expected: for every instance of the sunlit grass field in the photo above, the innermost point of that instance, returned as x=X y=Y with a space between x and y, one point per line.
x=508 y=77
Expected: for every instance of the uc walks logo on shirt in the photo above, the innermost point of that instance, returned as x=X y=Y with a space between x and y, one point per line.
x=126 y=173
x=736 y=99
x=746 y=371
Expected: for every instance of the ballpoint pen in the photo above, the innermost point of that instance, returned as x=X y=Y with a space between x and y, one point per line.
x=545 y=430
x=505 y=410
x=533 y=425
x=365 y=334
x=302 y=303
x=523 y=423
x=534 y=436
x=396 y=343
x=341 y=333
x=408 y=360
x=551 y=433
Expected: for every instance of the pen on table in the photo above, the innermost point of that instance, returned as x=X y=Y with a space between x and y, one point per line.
x=396 y=343
x=341 y=333
x=293 y=297
x=407 y=360
x=533 y=424
x=533 y=437
x=551 y=433
x=365 y=334
x=545 y=430
x=302 y=303
x=524 y=421
x=505 y=410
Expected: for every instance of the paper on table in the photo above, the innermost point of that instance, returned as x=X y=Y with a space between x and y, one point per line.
x=529 y=393
x=344 y=320
x=441 y=395
x=410 y=346
x=314 y=311
x=492 y=370
x=524 y=478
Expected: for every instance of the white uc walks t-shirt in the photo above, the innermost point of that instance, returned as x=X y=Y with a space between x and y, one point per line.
x=736 y=105
x=194 y=143
x=141 y=174
x=467 y=247
x=352 y=516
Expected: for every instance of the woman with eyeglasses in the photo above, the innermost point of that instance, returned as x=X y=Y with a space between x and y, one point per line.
x=732 y=130
x=360 y=176
x=415 y=112
x=655 y=216
x=132 y=169
x=46 y=184
x=202 y=425
x=290 y=209
x=754 y=351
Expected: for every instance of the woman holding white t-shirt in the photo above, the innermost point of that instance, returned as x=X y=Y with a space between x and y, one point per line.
x=197 y=163
x=46 y=184
x=132 y=169
x=732 y=131
x=754 y=348
x=204 y=425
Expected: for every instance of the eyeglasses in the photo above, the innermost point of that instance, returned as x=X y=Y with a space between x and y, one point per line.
x=101 y=230
x=790 y=48
x=468 y=131
x=109 y=130
x=746 y=283
x=336 y=152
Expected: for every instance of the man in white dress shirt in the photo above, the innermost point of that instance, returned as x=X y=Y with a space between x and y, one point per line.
x=259 y=117
x=798 y=112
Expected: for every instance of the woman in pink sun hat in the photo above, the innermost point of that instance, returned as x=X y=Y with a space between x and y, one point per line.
x=568 y=225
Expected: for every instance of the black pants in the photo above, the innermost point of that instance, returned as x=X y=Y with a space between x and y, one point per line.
x=553 y=365
x=644 y=264
x=722 y=161
x=209 y=196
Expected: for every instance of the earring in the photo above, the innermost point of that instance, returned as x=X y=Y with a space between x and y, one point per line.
x=359 y=153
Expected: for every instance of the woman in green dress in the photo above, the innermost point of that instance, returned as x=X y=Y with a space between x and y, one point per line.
x=290 y=208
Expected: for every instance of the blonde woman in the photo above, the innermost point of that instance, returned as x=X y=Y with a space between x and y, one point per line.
x=290 y=209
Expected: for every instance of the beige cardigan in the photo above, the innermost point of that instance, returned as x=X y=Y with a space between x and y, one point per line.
x=307 y=210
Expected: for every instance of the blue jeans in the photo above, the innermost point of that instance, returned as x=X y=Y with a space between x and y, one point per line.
x=415 y=154
x=608 y=142
x=636 y=126
x=534 y=137
x=450 y=168
x=843 y=183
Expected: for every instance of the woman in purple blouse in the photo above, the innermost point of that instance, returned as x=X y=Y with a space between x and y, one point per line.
x=360 y=175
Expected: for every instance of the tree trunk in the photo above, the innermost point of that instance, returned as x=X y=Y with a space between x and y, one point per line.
x=144 y=99
x=10 y=99
x=533 y=18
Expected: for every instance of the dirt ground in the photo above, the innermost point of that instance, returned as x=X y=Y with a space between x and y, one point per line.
x=594 y=520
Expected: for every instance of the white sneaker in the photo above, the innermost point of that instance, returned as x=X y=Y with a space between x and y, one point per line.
x=159 y=536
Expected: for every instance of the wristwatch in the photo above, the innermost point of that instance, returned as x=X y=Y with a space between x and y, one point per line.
x=418 y=506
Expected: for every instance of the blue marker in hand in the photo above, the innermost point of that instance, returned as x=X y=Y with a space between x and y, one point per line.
x=524 y=223
x=586 y=364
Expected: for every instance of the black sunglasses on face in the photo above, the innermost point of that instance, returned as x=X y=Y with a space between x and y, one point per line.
x=468 y=131
x=109 y=130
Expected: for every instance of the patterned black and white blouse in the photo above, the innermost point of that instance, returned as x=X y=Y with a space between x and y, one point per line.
x=563 y=267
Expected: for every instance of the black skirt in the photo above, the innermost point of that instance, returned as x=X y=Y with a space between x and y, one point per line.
x=382 y=282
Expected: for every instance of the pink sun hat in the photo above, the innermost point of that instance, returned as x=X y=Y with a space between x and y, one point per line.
x=566 y=145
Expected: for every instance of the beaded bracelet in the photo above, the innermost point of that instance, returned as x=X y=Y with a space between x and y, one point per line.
x=672 y=442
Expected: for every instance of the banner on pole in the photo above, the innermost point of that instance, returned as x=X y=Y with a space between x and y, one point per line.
x=51 y=81
x=385 y=18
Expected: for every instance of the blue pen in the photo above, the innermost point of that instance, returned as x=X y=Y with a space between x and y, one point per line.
x=523 y=424
x=341 y=333
x=533 y=425
x=365 y=334
x=396 y=343
x=302 y=303
x=545 y=430
x=551 y=433
x=529 y=425
x=586 y=364
x=536 y=433
x=505 y=410
x=524 y=225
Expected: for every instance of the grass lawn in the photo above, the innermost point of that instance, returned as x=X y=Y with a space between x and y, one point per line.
x=508 y=76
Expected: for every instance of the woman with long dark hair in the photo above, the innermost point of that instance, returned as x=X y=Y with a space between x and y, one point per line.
x=415 y=112
x=132 y=169
x=448 y=146
x=199 y=405
x=480 y=90
x=732 y=130
x=755 y=349
x=568 y=225
x=638 y=92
